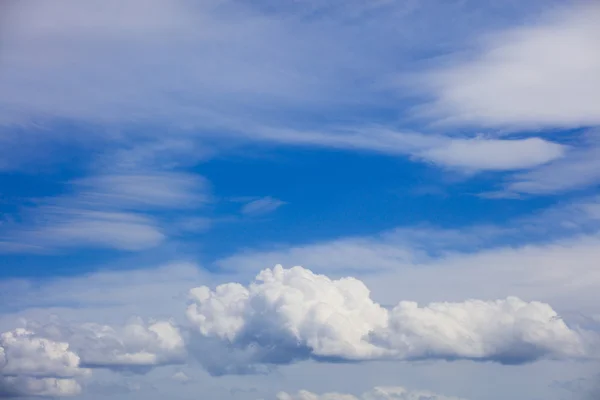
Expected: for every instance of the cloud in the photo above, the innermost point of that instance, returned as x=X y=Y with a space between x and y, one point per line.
x=49 y=360
x=344 y=254
x=578 y=170
x=474 y=154
x=232 y=59
x=377 y=393
x=113 y=294
x=284 y=315
x=210 y=40
x=180 y=377
x=266 y=341
x=107 y=211
x=548 y=257
x=35 y=366
x=137 y=346
x=543 y=74
x=26 y=354
x=220 y=93
x=261 y=206
x=135 y=191
x=123 y=231
x=405 y=247
x=21 y=386
x=495 y=154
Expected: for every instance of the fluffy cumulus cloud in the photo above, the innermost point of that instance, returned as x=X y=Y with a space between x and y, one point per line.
x=289 y=314
x=50 y=360
x=378 y=393
x=286 y=316
x=36 y=366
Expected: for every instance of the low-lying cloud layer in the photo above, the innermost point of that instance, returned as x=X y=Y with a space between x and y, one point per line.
x=378 y=393
x=286 y=316
x=50 y=360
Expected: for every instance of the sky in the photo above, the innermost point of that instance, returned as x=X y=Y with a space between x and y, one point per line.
x=300 y=200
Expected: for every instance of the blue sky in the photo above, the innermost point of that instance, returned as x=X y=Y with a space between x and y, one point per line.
x=261 y=200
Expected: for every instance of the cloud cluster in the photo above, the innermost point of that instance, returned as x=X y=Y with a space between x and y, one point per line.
x=285 y=316
x=136 y=346
x=50 y=360
x=34 y=366
x=289 y=314
x=377 y=393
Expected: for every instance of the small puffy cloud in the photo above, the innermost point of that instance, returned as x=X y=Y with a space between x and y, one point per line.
x=291 y=314
x=180 y=377
x=378 y=393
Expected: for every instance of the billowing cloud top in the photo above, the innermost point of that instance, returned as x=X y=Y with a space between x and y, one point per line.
x=287 y=314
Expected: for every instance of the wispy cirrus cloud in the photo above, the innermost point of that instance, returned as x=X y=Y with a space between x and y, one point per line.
x=478 y=153
x=107 y=211
x=219 y=92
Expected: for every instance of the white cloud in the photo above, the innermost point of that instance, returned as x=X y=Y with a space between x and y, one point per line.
x=377 y=393
x=293 y=314
x=111 y=74
x=26 y=354
x=107 y=211
x=406 y=247
x=208 y=44
x=113 y=294
x=476 y=154
x=261 y=206
x=49 y=360
x=345 y=254
x=543 y=74
x=124 y=231
x=562 y=274
x=135 y=191
x=21 y=386
x=137 y=346
x=36 y=366
x=495 y=154
x=580 y=169
x=181 y=377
